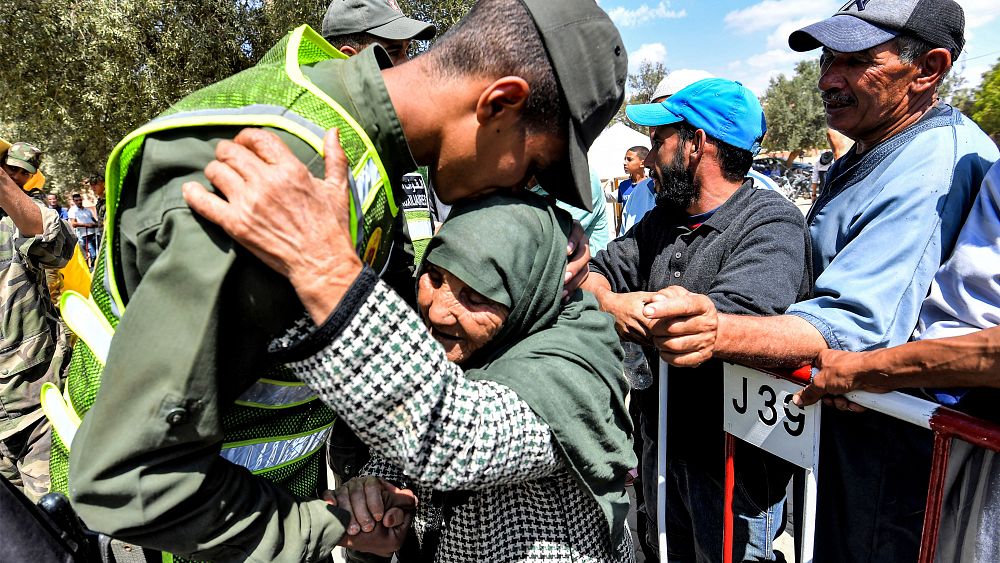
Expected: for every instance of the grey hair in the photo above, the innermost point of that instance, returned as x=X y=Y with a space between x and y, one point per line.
x=910 y=48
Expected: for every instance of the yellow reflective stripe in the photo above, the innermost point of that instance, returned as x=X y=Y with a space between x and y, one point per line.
x=270 y=381
x=271 y=453
x=271 y=394
x=86 y=320
x=71 y=408
x=295 y=74
x=64 y=420
x=112 y=170
x=419 y=224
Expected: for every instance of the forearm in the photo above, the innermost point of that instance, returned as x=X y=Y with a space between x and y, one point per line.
x=193 y=336
x=783 y=341
x=53 y=246
x=971 y=360
x=598 y=285
x=392 y=383
x=221 y=514
x=23 y=211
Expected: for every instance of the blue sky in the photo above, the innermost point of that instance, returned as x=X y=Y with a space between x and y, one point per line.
x=748 y=40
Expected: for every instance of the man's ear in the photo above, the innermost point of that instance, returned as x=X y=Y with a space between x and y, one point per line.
x=931 y=68
x=503 y=99
x=348 y=50
x=698 y=144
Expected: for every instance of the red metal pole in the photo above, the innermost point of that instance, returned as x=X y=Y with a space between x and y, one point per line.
x=977 y=432
x=801 y=375
x=935 y=495
x=947 y=425
x=727 y=513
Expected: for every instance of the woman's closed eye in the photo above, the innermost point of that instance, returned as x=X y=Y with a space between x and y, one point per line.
x=475 y=299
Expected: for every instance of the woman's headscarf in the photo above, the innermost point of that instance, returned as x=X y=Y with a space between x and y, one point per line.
x=563 y=360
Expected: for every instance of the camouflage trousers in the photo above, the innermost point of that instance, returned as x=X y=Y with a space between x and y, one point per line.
x=24 y=459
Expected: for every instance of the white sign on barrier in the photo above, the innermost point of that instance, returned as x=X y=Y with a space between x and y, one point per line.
x=759 y=410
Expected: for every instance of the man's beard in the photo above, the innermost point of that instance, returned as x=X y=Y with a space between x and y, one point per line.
x=675 y=183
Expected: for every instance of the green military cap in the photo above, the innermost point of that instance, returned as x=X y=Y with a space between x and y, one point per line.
x=590 y=63
x=381 y=18
x=23 y=155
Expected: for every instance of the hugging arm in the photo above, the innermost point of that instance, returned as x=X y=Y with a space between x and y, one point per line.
x=375 y=364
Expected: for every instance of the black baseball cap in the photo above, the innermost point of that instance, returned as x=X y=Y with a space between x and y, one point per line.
x=381 y=18
x=863 y=24
x=590 y=64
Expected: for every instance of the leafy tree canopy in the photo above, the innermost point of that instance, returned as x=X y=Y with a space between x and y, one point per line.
x=794 y=111
x=641 y=85
x=442 y=13
x=986 y=108
x=80 y=75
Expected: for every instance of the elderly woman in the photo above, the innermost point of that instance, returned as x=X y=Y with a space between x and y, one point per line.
x=514 y=417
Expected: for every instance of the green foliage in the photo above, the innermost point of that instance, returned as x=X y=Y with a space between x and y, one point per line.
x=986 y=109
x=442 y=13
x=641 y=86
x=81 y=75
x=794 y=110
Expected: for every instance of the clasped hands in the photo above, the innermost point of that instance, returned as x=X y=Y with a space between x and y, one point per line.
x=681 y=325
x=381 y=514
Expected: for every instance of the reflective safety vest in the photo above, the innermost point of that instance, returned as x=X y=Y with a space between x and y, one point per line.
x=276 y=427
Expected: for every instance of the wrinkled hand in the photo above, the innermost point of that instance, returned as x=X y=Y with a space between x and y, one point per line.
x=282 y=214
x=577 y=267
x=684 y=326
x=837 y=373
x=627 y=311
x=381 y=514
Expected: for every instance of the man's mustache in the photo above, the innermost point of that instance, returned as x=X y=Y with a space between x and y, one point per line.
x=835 y=97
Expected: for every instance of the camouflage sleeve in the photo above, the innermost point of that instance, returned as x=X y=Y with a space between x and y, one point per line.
x=51 y=249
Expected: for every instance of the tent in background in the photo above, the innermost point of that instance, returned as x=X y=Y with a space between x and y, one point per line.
x=607 y=153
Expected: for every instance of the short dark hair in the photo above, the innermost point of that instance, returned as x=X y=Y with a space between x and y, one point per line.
x=734 y=162
x=74 y=196
x=640 y=151
x=357 y=41
x=492 y=41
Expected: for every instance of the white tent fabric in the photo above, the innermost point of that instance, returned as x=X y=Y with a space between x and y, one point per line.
x=607 y=153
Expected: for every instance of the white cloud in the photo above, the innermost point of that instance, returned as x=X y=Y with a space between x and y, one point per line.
x=979 y=12
x=774 y=59
x=624 y=17
x=652 y=52
x=755 y=72
x=779 y=18
x=778 y=38
x=772 y=13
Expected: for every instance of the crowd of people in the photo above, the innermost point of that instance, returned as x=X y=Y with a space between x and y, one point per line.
x=424 y=295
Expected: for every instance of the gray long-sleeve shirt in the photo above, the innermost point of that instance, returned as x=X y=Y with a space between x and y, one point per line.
x=751 y=257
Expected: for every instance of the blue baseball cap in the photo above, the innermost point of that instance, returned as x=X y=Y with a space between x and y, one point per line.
x=725 y=109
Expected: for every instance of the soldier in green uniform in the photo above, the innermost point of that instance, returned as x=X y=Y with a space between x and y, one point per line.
x=33 y=347
x=352 y=25
x=159 y=459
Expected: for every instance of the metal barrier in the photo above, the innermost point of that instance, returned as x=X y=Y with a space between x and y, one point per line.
x=776 y=425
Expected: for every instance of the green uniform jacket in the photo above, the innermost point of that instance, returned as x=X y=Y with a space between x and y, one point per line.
x=145 y=464
x=32 y=343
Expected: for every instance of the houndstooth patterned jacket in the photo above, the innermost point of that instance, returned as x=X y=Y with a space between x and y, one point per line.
x=392 y=384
